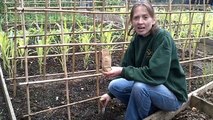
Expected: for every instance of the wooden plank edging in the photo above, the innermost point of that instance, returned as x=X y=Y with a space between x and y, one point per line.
x=202 y=105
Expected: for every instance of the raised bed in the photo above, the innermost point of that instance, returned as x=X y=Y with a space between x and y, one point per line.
x=53 y=95
x=195 y=102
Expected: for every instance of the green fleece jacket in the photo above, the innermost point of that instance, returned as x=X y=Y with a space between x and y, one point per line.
x=153 y=60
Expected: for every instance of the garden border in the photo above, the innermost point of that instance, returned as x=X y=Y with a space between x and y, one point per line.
x=162 y=115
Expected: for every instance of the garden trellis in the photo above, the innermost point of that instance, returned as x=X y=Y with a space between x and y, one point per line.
x=58 y=43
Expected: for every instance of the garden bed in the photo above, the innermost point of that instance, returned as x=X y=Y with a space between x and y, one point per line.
x=196 y=108
x=49 y=95
x=201 y=106
x=4 y=113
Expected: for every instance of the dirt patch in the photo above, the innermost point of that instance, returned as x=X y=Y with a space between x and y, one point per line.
x=192 y=114
x=52 y=95
x=208 y=95
x=4 y=114
x=49 y=95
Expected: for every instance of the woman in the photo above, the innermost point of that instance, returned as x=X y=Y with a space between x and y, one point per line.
x=150 y=77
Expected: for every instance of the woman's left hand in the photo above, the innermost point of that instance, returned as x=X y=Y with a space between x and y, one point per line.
x=116 y=71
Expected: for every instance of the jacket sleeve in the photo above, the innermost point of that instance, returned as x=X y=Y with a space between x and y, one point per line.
x=156 y=72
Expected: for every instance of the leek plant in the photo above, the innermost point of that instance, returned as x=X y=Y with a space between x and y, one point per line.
x=6 y=51
x=3 y=48
x=67 y=39
x=20 y=42
x=110 y=36
x=40 y=50
x=85 y=38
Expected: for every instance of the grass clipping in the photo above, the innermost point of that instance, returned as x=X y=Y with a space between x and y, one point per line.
x=106 y=60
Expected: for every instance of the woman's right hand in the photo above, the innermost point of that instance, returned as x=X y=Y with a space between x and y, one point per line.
x=105 y=98
x=116 y=71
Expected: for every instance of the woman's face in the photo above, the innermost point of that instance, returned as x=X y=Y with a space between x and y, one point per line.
x=142 y=22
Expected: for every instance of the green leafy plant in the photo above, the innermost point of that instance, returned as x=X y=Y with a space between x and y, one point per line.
x=67 y=37
x=114 y=2
x=58 y=40
x=40 y=40
x=109 y=36
x=7 y=51
x=21 y=42
x=2 y=13
x=4 y=47
x=2 y=7
x=39 y=51
x=85 y=38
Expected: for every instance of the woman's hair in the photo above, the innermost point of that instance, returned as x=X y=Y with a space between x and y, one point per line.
x=150 y=10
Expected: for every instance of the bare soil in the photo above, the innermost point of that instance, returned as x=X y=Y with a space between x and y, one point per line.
x=208 y=95
x=49 y=95
x=3 y=107
x=192 y=114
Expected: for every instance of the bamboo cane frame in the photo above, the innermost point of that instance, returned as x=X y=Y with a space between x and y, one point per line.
x=64 y=62
x=73 y=33
x=77 y=53
x=7 y=96
x=97 y=74
x=91 y=71
x=189 y=41
x=98 y=51
x=26 y=65
x=45 y=41
x=15 y=52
